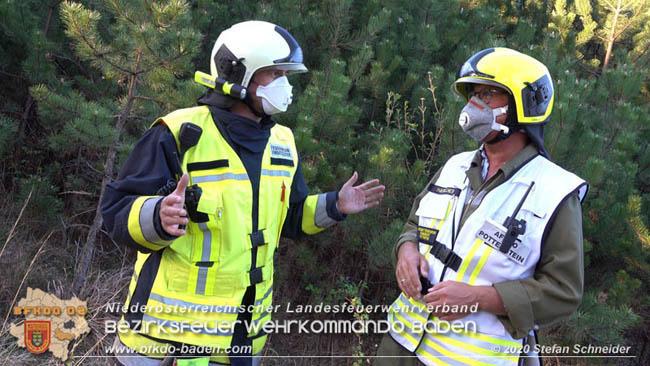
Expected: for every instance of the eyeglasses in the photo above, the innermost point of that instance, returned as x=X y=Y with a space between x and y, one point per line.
x=486 y=95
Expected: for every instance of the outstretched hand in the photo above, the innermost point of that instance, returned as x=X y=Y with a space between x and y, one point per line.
x=172 y=213
x=353 y=199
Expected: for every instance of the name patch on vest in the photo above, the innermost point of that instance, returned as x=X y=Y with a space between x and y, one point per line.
x=281 y=151
x=493 y=233
x=427 y=235
x=444 y=190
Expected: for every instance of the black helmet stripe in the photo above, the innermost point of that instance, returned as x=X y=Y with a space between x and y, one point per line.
x=469 y=67
x=295 y=52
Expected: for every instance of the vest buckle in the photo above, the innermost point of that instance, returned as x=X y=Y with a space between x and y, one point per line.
x=446 y=256
x=256 y=275
x=257 y=238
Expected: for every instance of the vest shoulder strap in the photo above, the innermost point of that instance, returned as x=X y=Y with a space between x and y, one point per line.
x=281 y=132
x=552 y=184
x=175 y=119
x=453 y=172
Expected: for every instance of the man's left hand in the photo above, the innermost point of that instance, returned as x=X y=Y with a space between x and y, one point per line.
x=353 y=199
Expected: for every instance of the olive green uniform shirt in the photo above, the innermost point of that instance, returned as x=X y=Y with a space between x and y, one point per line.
x=555 y=290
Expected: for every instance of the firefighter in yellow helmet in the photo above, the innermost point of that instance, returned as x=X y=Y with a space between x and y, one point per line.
x=205 y=196
x=493 y=243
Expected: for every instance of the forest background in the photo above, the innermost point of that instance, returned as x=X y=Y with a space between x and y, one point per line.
x=80 y=83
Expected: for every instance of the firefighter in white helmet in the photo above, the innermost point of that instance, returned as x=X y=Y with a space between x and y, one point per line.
x=494 y=242
x=204 y=198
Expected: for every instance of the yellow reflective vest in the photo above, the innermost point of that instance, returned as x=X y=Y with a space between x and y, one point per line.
x=199 y=279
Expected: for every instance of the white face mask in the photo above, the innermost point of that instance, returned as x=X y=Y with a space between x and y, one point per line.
x=276 y=96
x=477 y=119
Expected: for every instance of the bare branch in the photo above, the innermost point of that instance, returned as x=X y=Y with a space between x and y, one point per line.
x=13 y=75
x=51 y=54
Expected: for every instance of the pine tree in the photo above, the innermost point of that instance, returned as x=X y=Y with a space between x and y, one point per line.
x=377 y=99
x=621 y=15
x=596 y=26
x=140 y=48
x=31 y=51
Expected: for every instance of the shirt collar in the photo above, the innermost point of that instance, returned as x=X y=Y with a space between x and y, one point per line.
x=517 y=161
x=511 y=166
x=245 y=132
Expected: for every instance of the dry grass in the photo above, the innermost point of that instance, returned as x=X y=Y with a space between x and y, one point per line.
x=13 y=228
x=103 y=287
x=13 y=302
x=32 y=258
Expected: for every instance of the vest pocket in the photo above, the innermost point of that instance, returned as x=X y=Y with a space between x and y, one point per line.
x=177 y=273
x=432 y=212
x=207 y=235
x=434 y=206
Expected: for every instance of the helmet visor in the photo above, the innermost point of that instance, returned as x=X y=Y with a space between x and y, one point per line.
x=470 y=67
x=291 y=68
x=295 y=52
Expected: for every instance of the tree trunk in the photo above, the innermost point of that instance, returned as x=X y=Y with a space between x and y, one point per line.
x=610 y=39
x=89 y=247
x=51 y=7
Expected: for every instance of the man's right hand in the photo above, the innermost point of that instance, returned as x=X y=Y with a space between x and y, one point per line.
x=410 y=266
x=172 y=213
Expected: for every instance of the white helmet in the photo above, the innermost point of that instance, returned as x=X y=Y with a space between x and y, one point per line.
x=248 y=46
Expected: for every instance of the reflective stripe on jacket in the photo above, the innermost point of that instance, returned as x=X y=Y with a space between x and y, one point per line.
x=201 y=277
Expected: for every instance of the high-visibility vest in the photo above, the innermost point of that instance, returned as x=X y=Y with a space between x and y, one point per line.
x=484 y=340
x=201 y=277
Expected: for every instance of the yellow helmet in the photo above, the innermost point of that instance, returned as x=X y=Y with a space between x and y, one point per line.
x=526 y=79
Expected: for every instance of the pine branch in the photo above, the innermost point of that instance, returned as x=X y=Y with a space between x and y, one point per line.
x=637 y=58
x=122 y=13
x=640 y=229
x=81 y=34
x=609 y=4
x=170 y=18
x=75 y=62
x=139 y=118
x=142 y=97
x=164 y=63
x=13 y=75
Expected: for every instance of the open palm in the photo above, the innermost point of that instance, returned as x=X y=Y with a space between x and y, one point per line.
x=353 y=199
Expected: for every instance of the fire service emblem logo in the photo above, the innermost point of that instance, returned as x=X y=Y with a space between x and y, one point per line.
x=37 y=335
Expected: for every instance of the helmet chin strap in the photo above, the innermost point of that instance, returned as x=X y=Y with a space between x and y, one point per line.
x=504 y=135
x=510 y=127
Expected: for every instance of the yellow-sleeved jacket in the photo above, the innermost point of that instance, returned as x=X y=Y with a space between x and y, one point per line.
x=200 y=278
